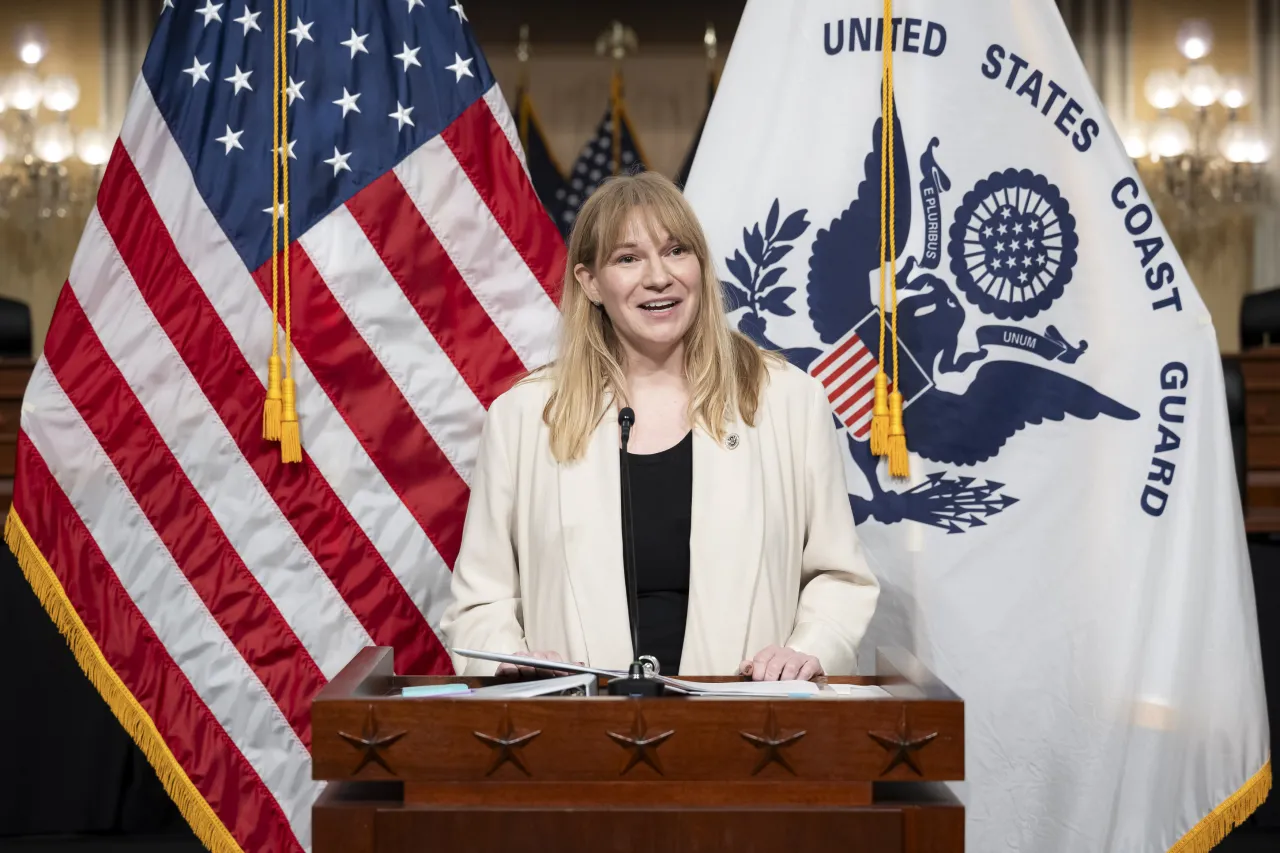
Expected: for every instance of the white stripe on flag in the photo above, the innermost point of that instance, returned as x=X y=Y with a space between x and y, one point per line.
x=862 y=388
x=491 y=266
x=842 y=371
x=334 y=450
x=166 y=599
x=502 y=114
x=396 y=335
x=255 y=527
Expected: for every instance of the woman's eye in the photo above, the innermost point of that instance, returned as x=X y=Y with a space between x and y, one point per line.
x=679 y=250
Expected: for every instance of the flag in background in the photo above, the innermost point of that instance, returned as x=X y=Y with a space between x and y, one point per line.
x=544 y=170
x=713 y=80
x=612 y=151
x=1069 y=553
x=207 y=589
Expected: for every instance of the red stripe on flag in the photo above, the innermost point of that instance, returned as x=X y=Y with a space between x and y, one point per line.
x=866 y=407
x=219 y=771
x=181 y=518
x=486 y=156
x=853 y=380
x=831 y=357
x=378 y=414
x=435 y=288
x=321 y=520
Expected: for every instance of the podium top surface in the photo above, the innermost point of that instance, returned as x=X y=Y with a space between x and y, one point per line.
x=371 y=675
x=363 y=729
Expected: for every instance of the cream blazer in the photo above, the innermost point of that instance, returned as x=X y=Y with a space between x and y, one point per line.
x=773 y=556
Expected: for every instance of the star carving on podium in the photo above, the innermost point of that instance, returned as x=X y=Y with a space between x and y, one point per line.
x=902 y=745
x=771 y=743
x=371 y=743
x=507 y=744
x=643 y=746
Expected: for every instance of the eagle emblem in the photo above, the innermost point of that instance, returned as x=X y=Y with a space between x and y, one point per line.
x=1012 y=247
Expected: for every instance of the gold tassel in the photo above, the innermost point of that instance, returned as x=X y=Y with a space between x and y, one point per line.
x=880 y=417
x=271 y=411
x=290 y=439
x=899 y=461
x=290 y=435
x=880 y=412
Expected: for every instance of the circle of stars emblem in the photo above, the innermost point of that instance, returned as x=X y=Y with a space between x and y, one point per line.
x=1013 y=244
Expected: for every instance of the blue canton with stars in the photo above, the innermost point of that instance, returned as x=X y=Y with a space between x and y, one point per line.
x=594 y=166
x=369 y=82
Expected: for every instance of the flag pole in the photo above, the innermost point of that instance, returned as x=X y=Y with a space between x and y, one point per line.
x=618 y=41
x=523 y=49
x=711 y=43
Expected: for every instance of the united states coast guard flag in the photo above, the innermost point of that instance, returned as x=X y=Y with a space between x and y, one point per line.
x=208 y=585
x=1068 y=551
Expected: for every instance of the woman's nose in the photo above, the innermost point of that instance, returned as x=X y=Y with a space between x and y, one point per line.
x=659 y=276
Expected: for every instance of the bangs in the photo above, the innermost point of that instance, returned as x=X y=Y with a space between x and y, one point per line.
x=661 y=213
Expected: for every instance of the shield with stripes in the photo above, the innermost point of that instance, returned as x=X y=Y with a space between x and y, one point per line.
x=847 y=369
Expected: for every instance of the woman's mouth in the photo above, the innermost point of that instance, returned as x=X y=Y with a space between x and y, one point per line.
x=657 y=306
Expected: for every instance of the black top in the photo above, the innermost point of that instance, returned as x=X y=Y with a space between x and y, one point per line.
x=662 y=495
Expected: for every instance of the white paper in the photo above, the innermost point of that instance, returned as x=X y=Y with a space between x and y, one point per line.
x=858 y=691
x=744 y=688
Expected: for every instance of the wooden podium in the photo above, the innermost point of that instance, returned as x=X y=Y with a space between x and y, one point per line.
x=1261 y=369
x=14 y=375
x=602 y=773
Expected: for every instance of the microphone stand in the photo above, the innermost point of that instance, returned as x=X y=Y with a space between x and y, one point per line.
x=639 y=680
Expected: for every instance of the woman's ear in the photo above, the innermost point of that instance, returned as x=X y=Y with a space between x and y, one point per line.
x=588 y=282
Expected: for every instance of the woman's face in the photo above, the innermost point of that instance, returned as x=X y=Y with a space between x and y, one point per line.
x=650 y=286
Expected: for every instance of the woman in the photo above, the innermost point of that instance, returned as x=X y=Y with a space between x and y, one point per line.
x=745 y=550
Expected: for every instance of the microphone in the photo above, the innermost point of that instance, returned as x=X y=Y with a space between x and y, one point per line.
x=639 y=680
x=627 y=419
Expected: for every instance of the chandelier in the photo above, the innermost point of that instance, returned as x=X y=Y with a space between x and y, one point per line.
x=48 y=173
x=1199 y=152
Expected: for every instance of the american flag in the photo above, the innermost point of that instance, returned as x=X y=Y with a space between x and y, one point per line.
x=847 y=370
x=612 y=150
x=208 y=589
x=544 y=170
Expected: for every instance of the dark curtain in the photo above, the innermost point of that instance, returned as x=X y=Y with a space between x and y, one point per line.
x=68 y=766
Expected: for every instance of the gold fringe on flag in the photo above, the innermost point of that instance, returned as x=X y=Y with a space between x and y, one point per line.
x=204 y=822
x=1232 y=812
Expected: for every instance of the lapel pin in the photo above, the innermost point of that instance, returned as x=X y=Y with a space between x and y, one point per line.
x=732 y=440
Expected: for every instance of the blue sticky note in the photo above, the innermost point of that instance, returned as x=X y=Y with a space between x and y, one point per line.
x=434 y=690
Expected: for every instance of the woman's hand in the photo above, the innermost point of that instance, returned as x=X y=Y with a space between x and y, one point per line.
x=529 y=671
x=781 y=663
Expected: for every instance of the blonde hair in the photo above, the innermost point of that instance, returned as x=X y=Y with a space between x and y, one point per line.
x=724 y=368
